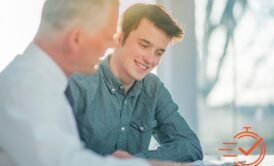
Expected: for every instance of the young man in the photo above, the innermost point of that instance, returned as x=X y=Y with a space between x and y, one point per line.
x=123 y=104
x=37 y=127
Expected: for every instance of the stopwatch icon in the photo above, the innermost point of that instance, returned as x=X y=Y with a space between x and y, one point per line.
x=258 y=144
x=233 y=148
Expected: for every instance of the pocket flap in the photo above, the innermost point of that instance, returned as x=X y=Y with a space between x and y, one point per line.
x=143 y=126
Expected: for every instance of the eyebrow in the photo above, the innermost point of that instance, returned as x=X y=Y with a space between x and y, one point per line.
x=149 y=43
x=146 y=41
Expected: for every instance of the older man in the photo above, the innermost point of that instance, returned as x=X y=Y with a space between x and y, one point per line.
x=37 y=127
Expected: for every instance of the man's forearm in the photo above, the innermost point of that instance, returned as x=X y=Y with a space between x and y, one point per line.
x=177 y=151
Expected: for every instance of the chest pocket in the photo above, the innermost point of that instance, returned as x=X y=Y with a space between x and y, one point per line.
x=144 y=126
x=140 y=135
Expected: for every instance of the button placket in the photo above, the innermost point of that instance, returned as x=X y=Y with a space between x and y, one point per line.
x=122 y=133
x=123 y=129
x=121 y=144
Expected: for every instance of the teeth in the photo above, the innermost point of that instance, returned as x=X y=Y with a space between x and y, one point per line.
x=142 y=66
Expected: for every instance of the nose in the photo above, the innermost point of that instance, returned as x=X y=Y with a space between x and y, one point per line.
x=149 y=60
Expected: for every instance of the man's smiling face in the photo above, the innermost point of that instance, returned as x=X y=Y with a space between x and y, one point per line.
x=141 y=51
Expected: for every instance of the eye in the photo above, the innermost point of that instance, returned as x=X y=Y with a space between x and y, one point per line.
x=143 y=45
x=159 y=53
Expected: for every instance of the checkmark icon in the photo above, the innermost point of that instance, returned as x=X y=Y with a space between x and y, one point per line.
x=251 y=149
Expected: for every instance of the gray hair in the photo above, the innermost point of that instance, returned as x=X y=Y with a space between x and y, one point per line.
x=60 y=15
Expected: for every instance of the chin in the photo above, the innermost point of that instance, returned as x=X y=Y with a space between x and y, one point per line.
x=138 y=78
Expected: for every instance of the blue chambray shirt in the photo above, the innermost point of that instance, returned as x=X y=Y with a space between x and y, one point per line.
x=109 y=119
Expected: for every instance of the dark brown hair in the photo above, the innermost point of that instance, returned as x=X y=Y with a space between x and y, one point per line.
x=155 y=13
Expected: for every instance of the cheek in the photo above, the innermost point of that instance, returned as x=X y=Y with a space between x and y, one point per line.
x=126 y=54
x=97 y=48
x=133 y=48
x=156 y=61
x=139 y=51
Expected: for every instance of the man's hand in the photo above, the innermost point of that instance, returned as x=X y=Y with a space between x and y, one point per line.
x=121 y=154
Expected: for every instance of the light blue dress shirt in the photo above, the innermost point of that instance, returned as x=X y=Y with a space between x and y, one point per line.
x=37 y=127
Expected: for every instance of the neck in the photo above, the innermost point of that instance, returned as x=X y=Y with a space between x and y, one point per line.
x=117 y=71
x=54 y=50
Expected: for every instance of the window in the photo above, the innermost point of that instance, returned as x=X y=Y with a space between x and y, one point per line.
x=236 y=63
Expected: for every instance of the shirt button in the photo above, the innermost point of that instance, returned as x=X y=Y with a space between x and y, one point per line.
x=142 y=128
x=121 y=87
x=113 y=89
x=123 y=128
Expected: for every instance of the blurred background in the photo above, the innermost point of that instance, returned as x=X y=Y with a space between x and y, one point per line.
x=221 y=75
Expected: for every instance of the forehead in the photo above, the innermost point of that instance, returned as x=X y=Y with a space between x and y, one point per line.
x=147 y=30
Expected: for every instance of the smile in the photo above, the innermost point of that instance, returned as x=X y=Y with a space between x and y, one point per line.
x=142 y=66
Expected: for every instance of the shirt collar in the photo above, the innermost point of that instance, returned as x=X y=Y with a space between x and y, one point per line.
x=114 y=85
x=46 y=66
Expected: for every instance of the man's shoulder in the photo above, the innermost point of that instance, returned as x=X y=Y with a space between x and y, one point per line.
x=18 y=74
x=151 y=80
x=20 y=82
x=151 y=84
x=84 y=81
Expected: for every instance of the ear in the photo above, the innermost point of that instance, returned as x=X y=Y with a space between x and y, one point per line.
x=75 y=39
x=118 y=38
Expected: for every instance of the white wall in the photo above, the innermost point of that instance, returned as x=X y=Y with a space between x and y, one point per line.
x=178 y=67
x=19 y=21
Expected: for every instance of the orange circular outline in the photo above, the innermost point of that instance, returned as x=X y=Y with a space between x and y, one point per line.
x=262 y=148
